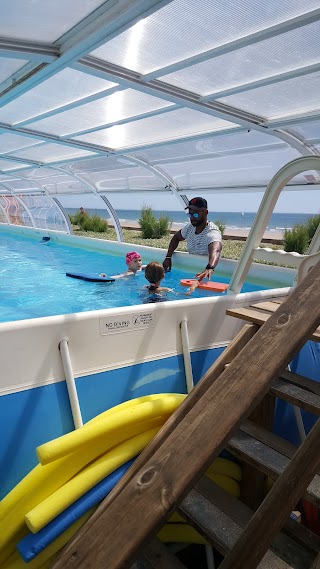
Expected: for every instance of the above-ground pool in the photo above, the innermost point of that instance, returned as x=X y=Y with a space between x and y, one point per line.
x=34 y=282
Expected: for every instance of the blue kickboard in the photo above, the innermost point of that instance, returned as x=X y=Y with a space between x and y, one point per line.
x=34 y=543
x=92 y=277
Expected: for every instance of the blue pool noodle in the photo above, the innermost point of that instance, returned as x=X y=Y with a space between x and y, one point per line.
x=34 y=543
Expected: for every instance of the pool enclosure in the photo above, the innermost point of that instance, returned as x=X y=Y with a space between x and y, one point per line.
x=182 y=97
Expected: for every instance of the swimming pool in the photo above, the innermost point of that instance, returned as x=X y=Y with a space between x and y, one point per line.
x=34 y=282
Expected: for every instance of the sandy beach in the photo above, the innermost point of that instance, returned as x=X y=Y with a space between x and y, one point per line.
x=275 y=237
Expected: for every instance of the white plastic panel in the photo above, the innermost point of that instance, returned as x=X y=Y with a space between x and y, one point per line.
x=52 y=152
x=42 y=20
x=68 y=86
x=10 y=66
x=230 y=143
x=100 y=164
x=118 y=106
x=15 y=210
x=126 y=180
x=298 y=48
x=45 y=212
x=201 y=25
x=297 y=95
x=11 y=142
x=69 y=187
x=6 y=165
x=169 y=126
x=309 y=130
x=251 y=169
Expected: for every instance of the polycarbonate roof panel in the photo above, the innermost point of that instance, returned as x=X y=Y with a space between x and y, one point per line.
x=221 y=171
x=20 y=185
x=298 y=48
x=297 y=95
x=184 y=28
x=118 y=106
x=182 y=122
x=6 y=165
x=52 y=152
x=309 y=130
x=11 y=142
x=67 y=187
x=136 y=178
x=66 y=87
x=230 y=143
x=42 y=20
x=100 y=164
x=10 y=66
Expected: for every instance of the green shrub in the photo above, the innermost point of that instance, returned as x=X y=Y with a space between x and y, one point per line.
x=152 y=228
x=78 y=218
x=312 y=226
x=86 y=222
x=94 y=223
x=296 y=239
x=220 y=225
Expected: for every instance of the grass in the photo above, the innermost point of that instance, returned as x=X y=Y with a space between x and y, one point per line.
x=232 y=249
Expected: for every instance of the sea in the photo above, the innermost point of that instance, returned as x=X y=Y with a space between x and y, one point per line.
x=232 y=220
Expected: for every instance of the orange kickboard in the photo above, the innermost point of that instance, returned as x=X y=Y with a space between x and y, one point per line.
x=210 y=285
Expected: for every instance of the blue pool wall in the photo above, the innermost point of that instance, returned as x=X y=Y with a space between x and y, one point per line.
x=34 y=416
x=307 y=364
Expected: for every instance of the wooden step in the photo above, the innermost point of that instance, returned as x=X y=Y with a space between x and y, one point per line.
x=298 y=395
x=259 y=313
x=221 y=517
x=269 y=454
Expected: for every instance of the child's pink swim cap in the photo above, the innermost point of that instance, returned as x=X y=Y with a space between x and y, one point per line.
x=131 y=256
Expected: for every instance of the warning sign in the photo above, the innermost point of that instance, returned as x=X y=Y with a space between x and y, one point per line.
x=125 y=323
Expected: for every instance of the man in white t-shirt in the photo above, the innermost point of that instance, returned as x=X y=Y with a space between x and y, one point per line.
x=203 y=238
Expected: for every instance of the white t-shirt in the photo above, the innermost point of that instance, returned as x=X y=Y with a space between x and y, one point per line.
x=198 y=244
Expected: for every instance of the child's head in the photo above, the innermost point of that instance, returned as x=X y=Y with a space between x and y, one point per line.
x=154 y=273
x=134 y=261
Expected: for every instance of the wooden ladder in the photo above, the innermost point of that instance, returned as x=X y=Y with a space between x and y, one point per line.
x=168 y=475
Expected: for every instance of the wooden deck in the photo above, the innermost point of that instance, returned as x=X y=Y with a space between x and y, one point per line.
x=260 y=312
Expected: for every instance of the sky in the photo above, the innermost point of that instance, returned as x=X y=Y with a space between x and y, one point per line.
x=303 y=201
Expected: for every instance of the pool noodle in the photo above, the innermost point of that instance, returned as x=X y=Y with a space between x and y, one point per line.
x=33 y=544
x=50 y=508
x=41 y=473
x=73 y=441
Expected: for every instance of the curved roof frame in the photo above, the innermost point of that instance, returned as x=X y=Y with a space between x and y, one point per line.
x=73 y=50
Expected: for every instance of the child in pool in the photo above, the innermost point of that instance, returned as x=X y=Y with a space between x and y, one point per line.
x=134 y=264
x=154 y=273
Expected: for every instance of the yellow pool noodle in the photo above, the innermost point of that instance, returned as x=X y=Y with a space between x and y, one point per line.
x=226 y=467
x=127 y=405
x=43 y=472
x=231 y=486
x=44 y=559
x=32 y=478
x=180 y=533
x=10 y=548
x=70 y=442
x=45 y=480
x=50 y=508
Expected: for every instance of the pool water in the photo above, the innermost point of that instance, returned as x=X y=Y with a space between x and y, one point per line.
x=34 y=283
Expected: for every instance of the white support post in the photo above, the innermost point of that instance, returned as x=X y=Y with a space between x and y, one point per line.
x=71 y=386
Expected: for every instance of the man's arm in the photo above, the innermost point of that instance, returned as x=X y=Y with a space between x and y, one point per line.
x=214 y=252
x=177 y=237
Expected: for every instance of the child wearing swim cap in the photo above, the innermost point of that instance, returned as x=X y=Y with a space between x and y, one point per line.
x=134 y=264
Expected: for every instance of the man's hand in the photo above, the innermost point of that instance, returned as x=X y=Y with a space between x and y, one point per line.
x=167 y=264
x=206 y=274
